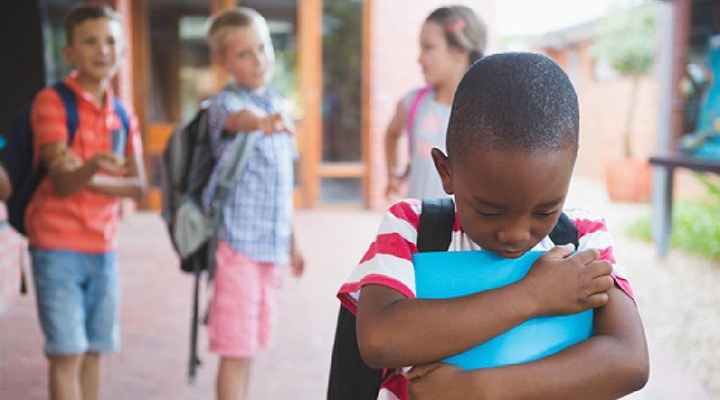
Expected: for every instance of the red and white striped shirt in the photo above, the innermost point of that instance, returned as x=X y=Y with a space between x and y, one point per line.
x=388 y=261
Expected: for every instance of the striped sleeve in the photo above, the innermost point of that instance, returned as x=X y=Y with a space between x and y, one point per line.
x=48 y=119
x=593 y=234
x=388 y=261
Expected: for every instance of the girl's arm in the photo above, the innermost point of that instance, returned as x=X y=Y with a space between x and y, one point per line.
x=5 y=186
x=132 y=185
x=394 y=331
x=611 y=364
x=394 y=132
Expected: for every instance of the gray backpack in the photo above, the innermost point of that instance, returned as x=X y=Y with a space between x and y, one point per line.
x=187 y=164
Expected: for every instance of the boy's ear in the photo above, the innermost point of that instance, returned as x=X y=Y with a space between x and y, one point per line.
x=442 y=165
x=67 y=51
x=217 y=59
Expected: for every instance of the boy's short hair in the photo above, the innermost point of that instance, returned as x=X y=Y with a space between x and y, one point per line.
x=224 y=21
x=514 y=101
x=79 y=14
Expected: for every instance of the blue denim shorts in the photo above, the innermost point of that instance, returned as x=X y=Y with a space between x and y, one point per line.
x=77 y=300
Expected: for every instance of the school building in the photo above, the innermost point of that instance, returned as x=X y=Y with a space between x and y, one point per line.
x=342 y=64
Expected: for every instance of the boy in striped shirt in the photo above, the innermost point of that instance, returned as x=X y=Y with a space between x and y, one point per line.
x=512 y=143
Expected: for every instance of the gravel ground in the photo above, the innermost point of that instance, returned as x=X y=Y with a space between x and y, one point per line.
x=678 y=298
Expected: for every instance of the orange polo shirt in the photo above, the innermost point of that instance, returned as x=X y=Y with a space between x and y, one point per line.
x=86 y=221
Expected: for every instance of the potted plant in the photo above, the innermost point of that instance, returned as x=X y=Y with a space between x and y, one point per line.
x=627 y=41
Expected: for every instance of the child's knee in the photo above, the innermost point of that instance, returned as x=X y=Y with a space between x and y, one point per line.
x=64 y=361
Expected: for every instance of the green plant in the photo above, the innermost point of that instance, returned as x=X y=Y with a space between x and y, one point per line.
x=627 y=40
x=696 y=228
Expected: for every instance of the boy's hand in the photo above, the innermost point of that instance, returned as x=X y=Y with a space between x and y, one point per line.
x=272 y=123
x=562 y=283
x=65 y=161
x=109 y=163
x=297 y=263
x=437 y=381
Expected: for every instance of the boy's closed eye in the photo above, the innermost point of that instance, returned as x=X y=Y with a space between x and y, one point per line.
x=496 y=214
x=545 y=214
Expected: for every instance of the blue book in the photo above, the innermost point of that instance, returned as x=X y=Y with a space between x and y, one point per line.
x=440 y=275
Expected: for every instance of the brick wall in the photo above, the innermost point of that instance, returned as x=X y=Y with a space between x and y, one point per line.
x=393 y=70
x=604 y=106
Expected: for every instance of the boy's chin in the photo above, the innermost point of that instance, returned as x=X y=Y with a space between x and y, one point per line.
x=253 y=83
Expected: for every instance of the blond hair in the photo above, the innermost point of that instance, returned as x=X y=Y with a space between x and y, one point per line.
x=463 y=29
x=221 y=23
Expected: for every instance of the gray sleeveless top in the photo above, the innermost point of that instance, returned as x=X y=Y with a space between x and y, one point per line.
x=429 y=130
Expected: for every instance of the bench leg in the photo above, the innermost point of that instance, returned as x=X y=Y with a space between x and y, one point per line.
x=662 y=210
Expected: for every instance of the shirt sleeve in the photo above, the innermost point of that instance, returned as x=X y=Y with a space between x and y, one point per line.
x=221 y=106
x=409 y=97
x=48 y=119
x=388 y=261
x=593 y=234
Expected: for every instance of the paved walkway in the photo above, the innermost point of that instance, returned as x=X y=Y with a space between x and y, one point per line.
x=155 y=321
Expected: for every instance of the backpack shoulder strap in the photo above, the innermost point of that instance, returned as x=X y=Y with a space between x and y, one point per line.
x=71 y=113
x=437 y=220
x=565 y=232
x=412 y=112
x=122 y=113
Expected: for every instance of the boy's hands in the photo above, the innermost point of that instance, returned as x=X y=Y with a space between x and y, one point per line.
x=563 y=283
x=109 y=163
x=438 y=381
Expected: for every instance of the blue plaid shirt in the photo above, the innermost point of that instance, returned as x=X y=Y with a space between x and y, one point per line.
x=257 y=218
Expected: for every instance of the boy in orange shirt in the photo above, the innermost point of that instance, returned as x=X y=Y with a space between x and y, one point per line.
x=71 y=219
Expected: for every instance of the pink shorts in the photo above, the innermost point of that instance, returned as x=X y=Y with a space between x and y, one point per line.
x=243 y=309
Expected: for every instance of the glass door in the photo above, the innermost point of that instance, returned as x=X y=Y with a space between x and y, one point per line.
x=342 y=168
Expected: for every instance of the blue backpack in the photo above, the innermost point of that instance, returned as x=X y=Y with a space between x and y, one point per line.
x=18 y=156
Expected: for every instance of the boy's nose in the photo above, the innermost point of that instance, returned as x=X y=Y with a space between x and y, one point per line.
x=515 y=233
x=261 y=59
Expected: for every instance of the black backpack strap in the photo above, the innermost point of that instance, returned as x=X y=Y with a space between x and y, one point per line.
x=437 y=220
x=565 y=232
x=350 y=377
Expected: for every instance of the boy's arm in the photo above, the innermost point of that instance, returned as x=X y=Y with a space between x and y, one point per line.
x=68 y=174
x=394 y=331
x=611 y=364
x=132 y=185
x=248 y=121
x=5 y=186
x=297 y=261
